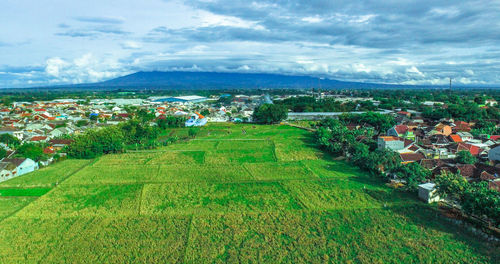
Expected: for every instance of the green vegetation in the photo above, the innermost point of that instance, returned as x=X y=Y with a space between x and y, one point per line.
x=46 y=177
x=465 y=157
x=311 y=104
x=236 y=193
x=34 y=192
x=113 y=139
x=270 y=114
x=475 y=198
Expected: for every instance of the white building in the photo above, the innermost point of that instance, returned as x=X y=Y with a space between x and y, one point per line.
x=427 y=192
x=11 y=168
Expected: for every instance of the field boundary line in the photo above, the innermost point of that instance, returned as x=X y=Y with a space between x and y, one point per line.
x=37 y=197
x=309 y=169
x=141 y=196
x=214 y=182
x=232 y=139
x=19 y=209
x=274 y=150
x=188 y=234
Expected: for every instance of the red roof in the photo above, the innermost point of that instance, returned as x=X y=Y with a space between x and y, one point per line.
x=48 y=150
x=401 y=129
x=38 y=138
x=403 y=113
x=411 y=156
x=474 y=150
x=495 y=137
x=5 y=110
x=40 y=110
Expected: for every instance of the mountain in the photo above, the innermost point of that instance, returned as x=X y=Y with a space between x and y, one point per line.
x=215 y=80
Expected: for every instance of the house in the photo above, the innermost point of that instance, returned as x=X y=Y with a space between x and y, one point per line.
x=474 y=150
x=491 y=102
x=455 y=138
x=404 y=113
x=443 y=129
x=17 y=167
x=465 y=136
x=390 y=142
x=402 y=131
x=411 y=157
x=39 y=139
x=59 y=144
x=494 y=153
x=12 y=131
x=427 y=192
x=6 y=170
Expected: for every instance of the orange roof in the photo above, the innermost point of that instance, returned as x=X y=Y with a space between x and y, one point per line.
x=456 y=138
x=199 y=115
x=389 y=138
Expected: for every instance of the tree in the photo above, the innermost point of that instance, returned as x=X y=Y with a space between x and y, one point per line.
x=30 y=150
x=81 y=123
x=414 y=174
x=465 y=157
x=3 y=153
x=451 y=185
x=270 y=113
x=9 y=140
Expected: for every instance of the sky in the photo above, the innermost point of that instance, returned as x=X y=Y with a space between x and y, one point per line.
x=53 y=42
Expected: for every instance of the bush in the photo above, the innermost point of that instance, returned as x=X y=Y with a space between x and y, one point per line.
x=465 y=157
x=270 y=114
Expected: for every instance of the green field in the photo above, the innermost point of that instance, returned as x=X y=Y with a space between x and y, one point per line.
x=236 y=193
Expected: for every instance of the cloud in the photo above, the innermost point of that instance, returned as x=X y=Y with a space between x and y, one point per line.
x=133 y=45
x=93 y=32
x=407 y=42
x=100 y=20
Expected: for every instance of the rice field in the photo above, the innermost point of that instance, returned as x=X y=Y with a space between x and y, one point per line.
x=235 y=194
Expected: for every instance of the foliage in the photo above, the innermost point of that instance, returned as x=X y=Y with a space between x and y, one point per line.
x=3 y=153
x=311 y=104
x=475 y=199
x=31 y=150
x=171 y=122
x=379 y=121
x=465 y=157
x=414 y=174
x=95 y=142
x=270 y=113
x=81 y=123
x=193 y=131
x=9 y=140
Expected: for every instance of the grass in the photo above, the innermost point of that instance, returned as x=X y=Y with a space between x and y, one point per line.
x=47 y=177
x=9 y=205
x=34 y=192
x=236 y=193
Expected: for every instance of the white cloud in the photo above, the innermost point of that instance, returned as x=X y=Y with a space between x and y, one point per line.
x=54 y=65
x=131 y=45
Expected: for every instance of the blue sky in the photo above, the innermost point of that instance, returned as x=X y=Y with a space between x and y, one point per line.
x=50 y=42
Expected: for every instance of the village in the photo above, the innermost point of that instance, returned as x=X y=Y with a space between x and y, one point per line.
x=437 y=145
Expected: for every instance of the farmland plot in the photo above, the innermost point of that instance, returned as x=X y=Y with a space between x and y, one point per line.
x=9 y=205
x=143 y=239
x=47 y=177
x=280 y=171
x=201 y=198
x=86 y=200
x=235 y=194
x=242 y=151
x=114 y=174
